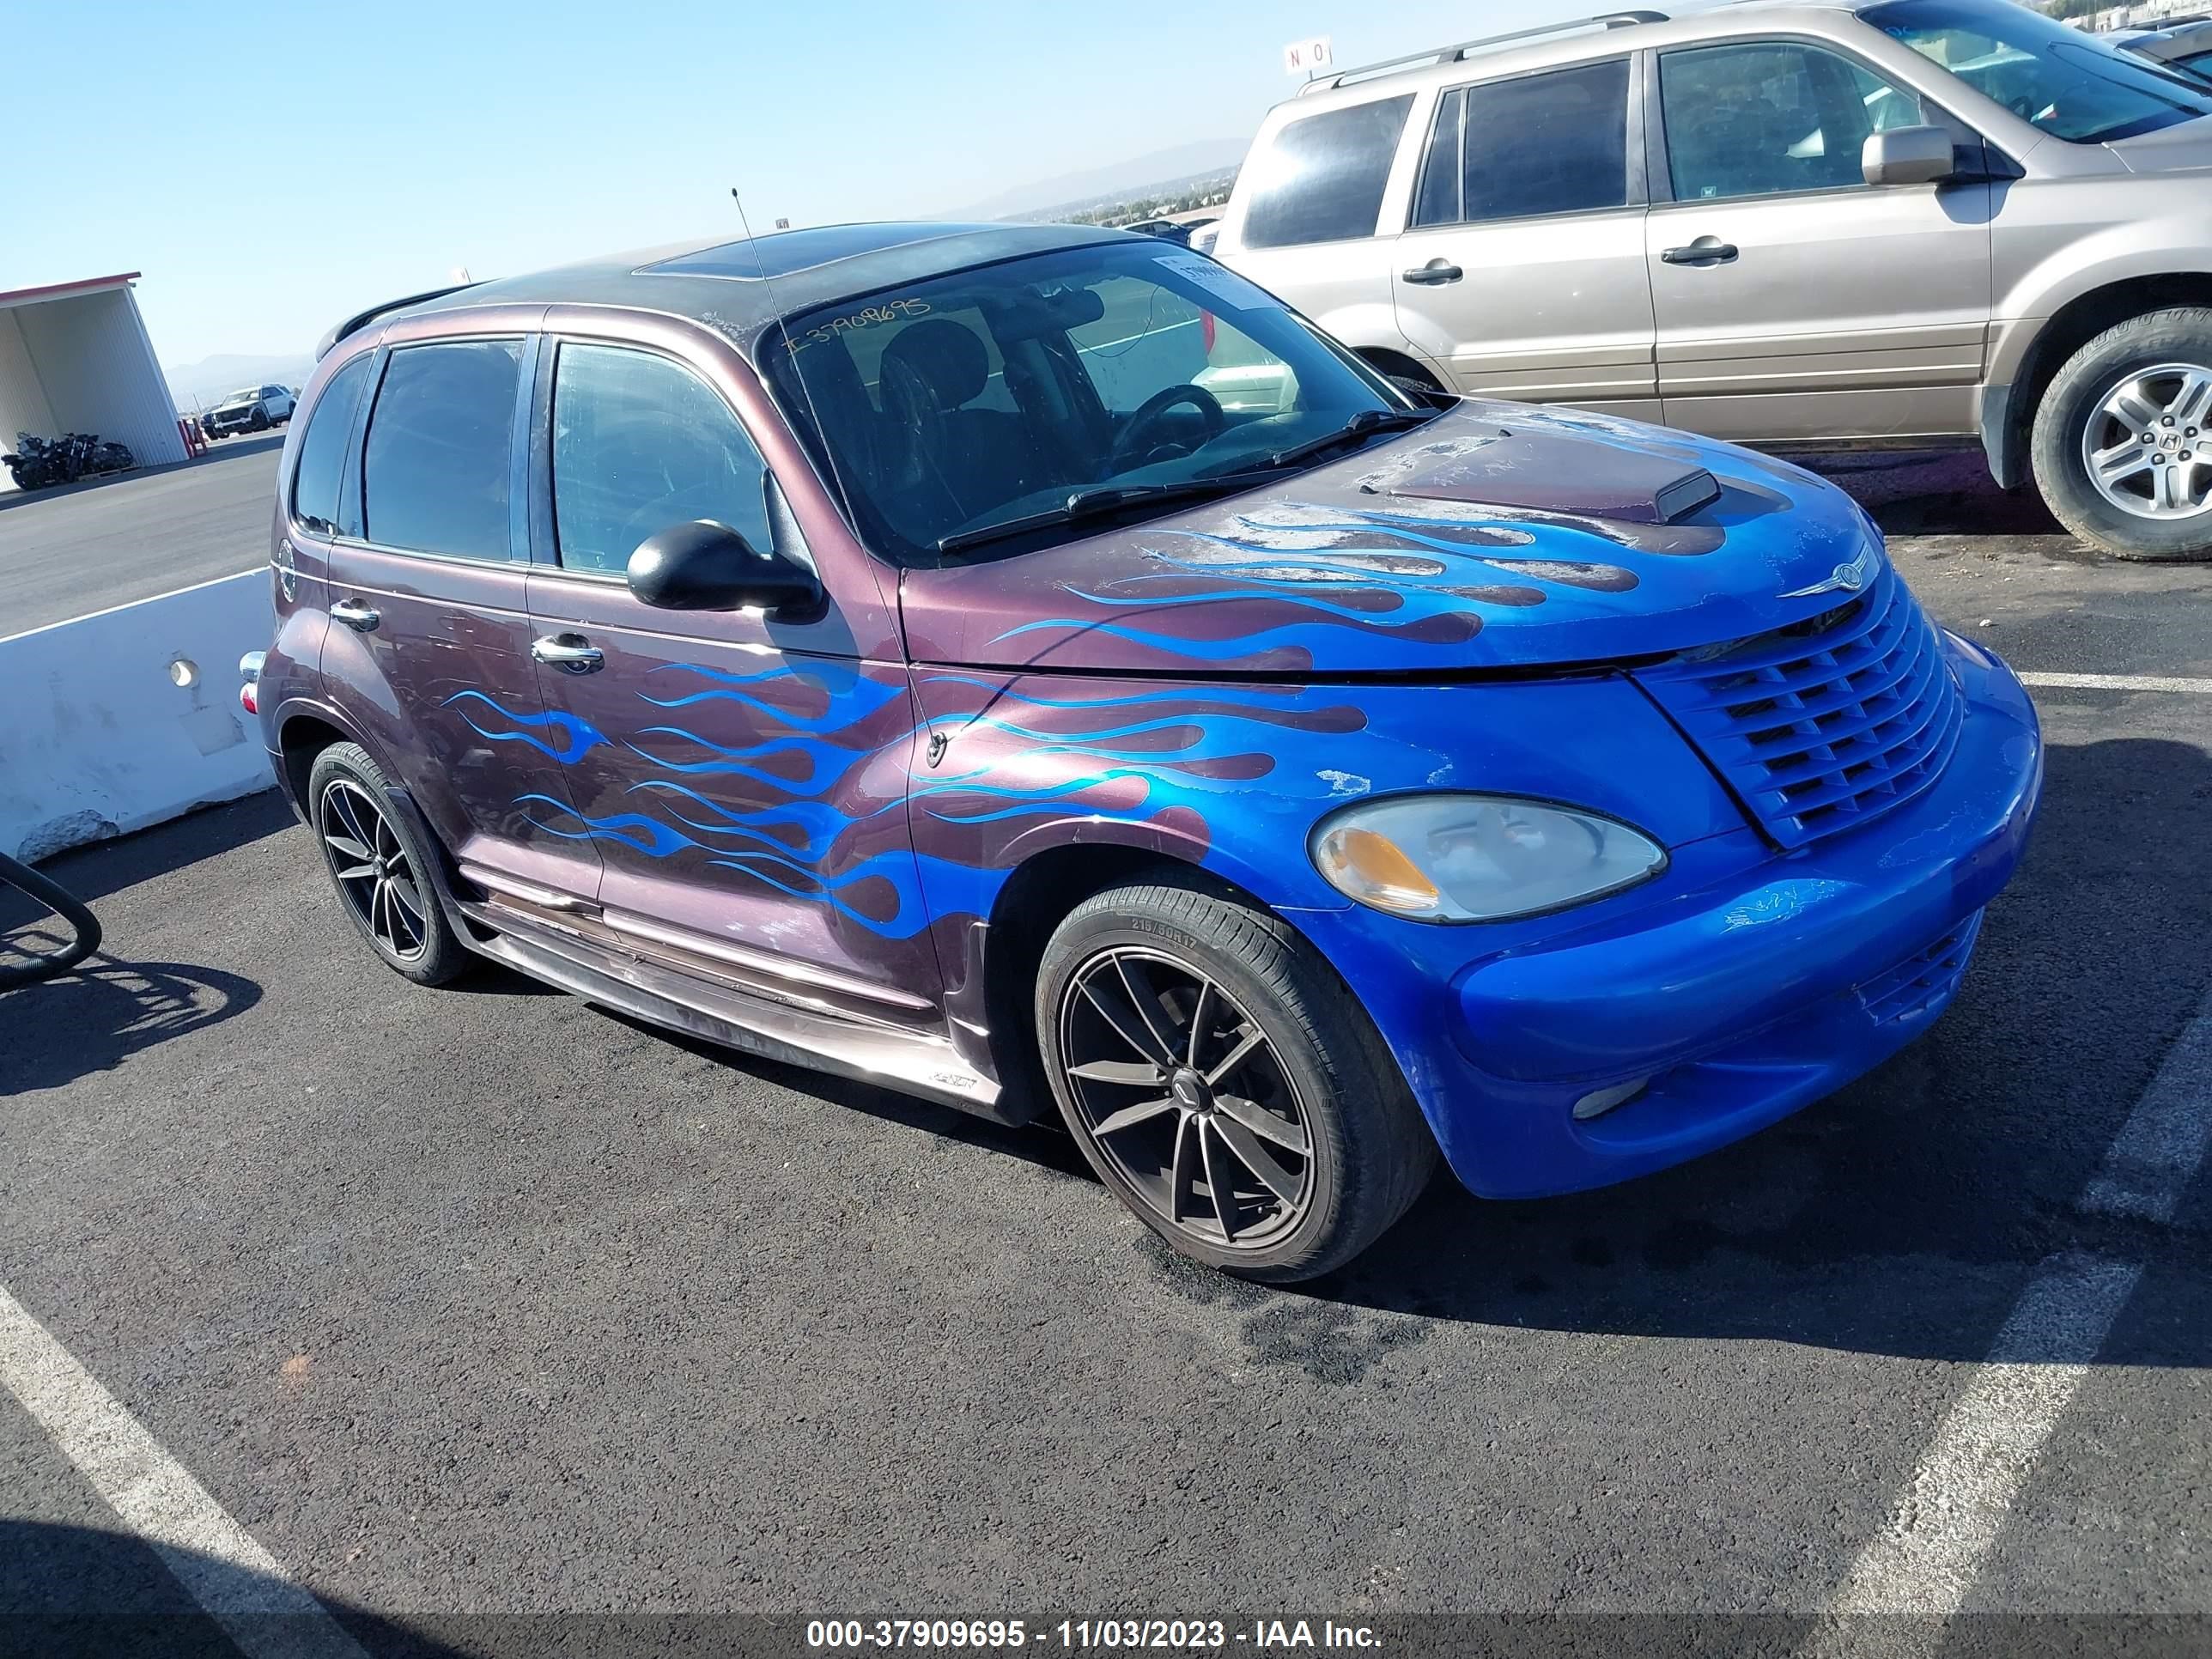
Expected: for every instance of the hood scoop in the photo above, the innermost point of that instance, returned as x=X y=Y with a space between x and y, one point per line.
x=1548 y=472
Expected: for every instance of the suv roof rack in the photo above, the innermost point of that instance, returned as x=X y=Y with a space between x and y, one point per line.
x=362 y=320
x=1609 y=20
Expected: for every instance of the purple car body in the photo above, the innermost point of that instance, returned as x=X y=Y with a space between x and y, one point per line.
x=843 y=832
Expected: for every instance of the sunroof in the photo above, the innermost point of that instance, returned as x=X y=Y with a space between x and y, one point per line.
x=784 y=251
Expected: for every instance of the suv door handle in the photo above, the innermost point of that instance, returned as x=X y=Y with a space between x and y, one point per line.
x=1705 y=251
x=571 y=653
x=1436 y=270
x=356 y=614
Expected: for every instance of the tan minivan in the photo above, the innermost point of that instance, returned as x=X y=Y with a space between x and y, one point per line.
x=1913 y=221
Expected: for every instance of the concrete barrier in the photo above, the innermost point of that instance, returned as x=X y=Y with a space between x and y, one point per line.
x=122 y=718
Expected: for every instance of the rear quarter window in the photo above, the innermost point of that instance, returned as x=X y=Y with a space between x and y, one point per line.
x=323 y=449
x=1321 y=179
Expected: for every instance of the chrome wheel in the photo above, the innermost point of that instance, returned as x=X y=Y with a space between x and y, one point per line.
x=373 y=870
x=2144 y=443
x=1181 y=1092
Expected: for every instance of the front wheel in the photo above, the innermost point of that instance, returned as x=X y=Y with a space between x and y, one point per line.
x=1224 y=1083
x=2122 y=445
x=381 y=869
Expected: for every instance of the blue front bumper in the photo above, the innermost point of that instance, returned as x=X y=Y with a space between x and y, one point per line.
x=1744 y=984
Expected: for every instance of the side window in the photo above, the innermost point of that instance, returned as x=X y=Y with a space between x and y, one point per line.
x=1321 y=179
x=1771 y=118
x=1436 y=198
x=323 y=448
x=1547 y=144
x=640 y=443
x=436 y=467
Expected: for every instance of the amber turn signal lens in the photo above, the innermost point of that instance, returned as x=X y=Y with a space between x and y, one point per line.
x=1374 y=867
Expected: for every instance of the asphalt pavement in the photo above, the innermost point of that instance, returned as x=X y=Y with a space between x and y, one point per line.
x=482 y=1302
x=69 y=551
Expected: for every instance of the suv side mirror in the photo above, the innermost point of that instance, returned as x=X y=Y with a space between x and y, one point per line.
x=705 y=566
x=1907 y=155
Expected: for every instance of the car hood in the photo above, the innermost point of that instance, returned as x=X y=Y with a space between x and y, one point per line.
x=1497 y=537
x=2169 y=150
x=238 y=406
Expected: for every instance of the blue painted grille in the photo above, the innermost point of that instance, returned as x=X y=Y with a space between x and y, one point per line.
x=1824 y=724
x=1926 y=976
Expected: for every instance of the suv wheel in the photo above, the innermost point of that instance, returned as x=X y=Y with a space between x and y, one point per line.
x=2123 y=440
x=1224 y=1083
x=380 y=868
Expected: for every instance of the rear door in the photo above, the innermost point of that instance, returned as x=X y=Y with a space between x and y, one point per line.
x=430 y=636
x=748 y=798
x=1794 y=300
x=1521 y=267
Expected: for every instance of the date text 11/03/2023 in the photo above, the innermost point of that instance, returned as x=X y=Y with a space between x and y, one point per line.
x=1261 y=1635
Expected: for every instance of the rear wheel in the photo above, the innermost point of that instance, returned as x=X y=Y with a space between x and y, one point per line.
x=1224 y=1083
x=380 y=868
x=2122 y=439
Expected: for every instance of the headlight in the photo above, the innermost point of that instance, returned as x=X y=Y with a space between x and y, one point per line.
x=1477 y=857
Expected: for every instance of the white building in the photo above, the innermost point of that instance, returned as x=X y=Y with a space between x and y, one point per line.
x=75 y=358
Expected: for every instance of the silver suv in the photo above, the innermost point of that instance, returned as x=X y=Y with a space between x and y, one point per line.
x=1914 y=223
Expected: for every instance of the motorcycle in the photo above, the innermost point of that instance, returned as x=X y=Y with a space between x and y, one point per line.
x=40 y=462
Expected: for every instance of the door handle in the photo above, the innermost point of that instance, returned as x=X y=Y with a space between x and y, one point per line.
x=356 y=614
x=1705 y=251
x=571 y=653
x=1436 y=270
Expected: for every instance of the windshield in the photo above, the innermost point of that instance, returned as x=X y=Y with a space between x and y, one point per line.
x=1090 y=375
x=2069 y=84
x=252 y=394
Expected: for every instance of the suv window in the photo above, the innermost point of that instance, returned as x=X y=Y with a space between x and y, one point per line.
x=640 y=443
x=323 y=448
x=1322 y=180
x=1556 y=142
x=434 y=470
x=1770 y=117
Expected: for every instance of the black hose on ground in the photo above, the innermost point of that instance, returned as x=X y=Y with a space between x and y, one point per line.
x=82 y=923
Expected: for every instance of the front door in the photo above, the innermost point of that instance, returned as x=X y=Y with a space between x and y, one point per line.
x=749 y=797
x=1521 y=265
x=1794 y=300
x=430 y=627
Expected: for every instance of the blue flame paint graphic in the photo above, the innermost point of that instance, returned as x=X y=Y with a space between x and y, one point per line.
x=572 y=738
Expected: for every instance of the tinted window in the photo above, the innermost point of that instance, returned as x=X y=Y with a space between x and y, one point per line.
x=640 y=443
x=434 y=468
x=1436 y=202
x=1321 y=179
x=1547 y=144
x=1771 y=118
x=323 y=447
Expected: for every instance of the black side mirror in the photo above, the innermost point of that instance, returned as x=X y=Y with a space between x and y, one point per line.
x=705 y=566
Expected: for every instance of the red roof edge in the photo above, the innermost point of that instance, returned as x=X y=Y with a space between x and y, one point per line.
x=58 y=291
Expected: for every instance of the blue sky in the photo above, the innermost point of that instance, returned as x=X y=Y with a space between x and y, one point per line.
x=270 y=167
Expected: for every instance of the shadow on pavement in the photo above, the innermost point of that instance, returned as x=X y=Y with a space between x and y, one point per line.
x=98 y=1015
x=1902 y=1215
x=108 y=867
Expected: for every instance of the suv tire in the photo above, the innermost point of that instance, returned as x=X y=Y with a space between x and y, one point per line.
x=383 y=873
x=2073 y=418
x=1255 y=1060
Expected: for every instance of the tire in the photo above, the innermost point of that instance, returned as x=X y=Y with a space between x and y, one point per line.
x=2073 y=415
x=259 y=423
x=1320 y=1074
x=414 y=939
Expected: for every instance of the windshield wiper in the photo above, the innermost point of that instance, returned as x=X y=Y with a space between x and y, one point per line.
x=1098 y=502
x=1365 y=422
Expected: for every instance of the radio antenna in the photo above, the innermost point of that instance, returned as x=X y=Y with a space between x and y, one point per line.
x=791 y=346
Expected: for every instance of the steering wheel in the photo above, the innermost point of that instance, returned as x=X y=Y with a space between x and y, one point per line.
x=1136 y=437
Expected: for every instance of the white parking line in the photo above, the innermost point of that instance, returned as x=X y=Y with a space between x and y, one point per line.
x=1927 y=1557
x=110 y=611
x=2117 y=682
x=238 y=1583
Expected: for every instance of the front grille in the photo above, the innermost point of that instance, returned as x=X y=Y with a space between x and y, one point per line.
x=1926 y=976
x=1825 y=724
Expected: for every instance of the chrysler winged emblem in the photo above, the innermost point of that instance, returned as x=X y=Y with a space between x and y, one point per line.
x=1844 y=578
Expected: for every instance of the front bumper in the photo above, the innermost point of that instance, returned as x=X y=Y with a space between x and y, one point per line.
x=1744 y=985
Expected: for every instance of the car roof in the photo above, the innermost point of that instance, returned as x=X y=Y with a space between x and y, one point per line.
x=739 y=287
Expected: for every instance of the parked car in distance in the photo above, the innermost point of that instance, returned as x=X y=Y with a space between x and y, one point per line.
x=2186 y=46
x=254 y=409
x=1914 y=223
x=872 y=647
x=1171 y=230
